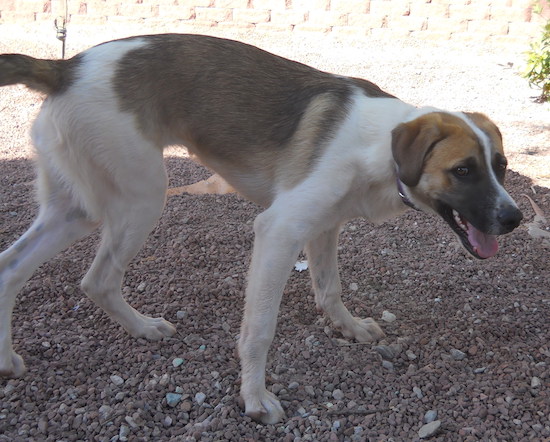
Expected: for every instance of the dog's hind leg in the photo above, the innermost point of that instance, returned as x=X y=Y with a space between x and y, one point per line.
x=323 y=266
x=60 y=222
x=129 y=217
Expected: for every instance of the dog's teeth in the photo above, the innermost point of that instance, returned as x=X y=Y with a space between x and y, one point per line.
x=459 y=221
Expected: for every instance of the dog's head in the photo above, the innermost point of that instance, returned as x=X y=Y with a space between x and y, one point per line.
x=454 y=165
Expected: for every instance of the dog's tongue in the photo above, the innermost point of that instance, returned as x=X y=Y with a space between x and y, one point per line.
x=485 y=245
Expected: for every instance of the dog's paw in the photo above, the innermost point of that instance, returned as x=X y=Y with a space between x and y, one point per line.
x=153 y=329
x=12 y=366
x=363 y=330
x=264 y=408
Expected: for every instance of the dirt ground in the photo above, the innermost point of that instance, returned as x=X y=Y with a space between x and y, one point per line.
x=469 y=346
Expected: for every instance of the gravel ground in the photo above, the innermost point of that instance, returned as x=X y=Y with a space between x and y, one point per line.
x=468 y=349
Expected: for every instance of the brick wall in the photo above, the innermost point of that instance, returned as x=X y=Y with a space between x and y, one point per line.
x=500 y=20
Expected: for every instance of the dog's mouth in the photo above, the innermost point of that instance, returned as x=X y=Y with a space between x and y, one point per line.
x=478 y=244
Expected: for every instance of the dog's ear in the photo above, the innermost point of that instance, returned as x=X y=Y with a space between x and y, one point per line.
x=412 y=142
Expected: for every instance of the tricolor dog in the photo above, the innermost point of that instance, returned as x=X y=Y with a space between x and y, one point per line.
x=314 y=149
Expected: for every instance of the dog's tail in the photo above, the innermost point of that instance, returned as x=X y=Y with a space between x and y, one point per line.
x=41 y=75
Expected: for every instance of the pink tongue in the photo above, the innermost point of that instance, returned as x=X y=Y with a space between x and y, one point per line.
x=485 y=245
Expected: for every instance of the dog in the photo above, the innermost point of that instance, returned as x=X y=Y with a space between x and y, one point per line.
x=312 y=148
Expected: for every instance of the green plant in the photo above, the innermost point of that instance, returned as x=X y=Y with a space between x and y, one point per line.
x=538 y=60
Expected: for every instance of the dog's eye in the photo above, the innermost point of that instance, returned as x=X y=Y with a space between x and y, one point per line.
x=461 y=171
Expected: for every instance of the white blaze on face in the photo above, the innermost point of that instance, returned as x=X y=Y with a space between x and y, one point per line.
x=502 y=197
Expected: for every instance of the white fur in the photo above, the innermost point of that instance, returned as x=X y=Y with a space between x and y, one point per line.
x=93 y=166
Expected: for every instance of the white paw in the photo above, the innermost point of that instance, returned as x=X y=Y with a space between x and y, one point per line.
x=264 y=407
x=153 y=329
x=363 y=330
x=12 y=366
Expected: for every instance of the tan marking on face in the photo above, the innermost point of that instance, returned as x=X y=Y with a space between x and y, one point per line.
x=449 y=154
x=458 y=144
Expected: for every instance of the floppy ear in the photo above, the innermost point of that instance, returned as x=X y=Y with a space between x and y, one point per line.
x=411 y=143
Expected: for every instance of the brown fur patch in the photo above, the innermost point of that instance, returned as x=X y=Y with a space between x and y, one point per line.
x=242 y=111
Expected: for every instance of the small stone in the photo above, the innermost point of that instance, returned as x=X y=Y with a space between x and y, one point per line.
x=105 y=412
x=229 y=281
x=301 y=265
x=141 y=287
x=167 y=421
x=418 y=392
x=535 y=382
x=480 y=370
x=387 y=365
x=430 y=416
x=338 y=394
x=130 y=420
x=179 y=390
x=119 y=397
x=180 y=314
x=46 y=344
x=68 y=289
x=410 y=355
x=42 y=425
x=429 y=429
x=457 y=355
x=388 y=317
x=117 y=380
x=173 y=399
x=309 y=390
x=385 y=351
x=164 y=379
x=353 y=286
x=200 y=397
x=123 y=432
x=293 y=385
x=177 y=362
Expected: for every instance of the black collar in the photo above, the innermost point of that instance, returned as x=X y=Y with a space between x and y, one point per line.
x=403 y=196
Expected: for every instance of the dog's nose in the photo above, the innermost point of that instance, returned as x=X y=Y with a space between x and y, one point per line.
x=509 y=218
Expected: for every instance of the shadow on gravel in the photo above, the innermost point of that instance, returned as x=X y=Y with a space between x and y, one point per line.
x=470 y=342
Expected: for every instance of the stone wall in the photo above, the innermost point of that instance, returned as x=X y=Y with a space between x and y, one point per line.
x=499 y=20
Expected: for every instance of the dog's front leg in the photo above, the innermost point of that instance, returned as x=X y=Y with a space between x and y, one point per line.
x=323 y=266
x=276 y=248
